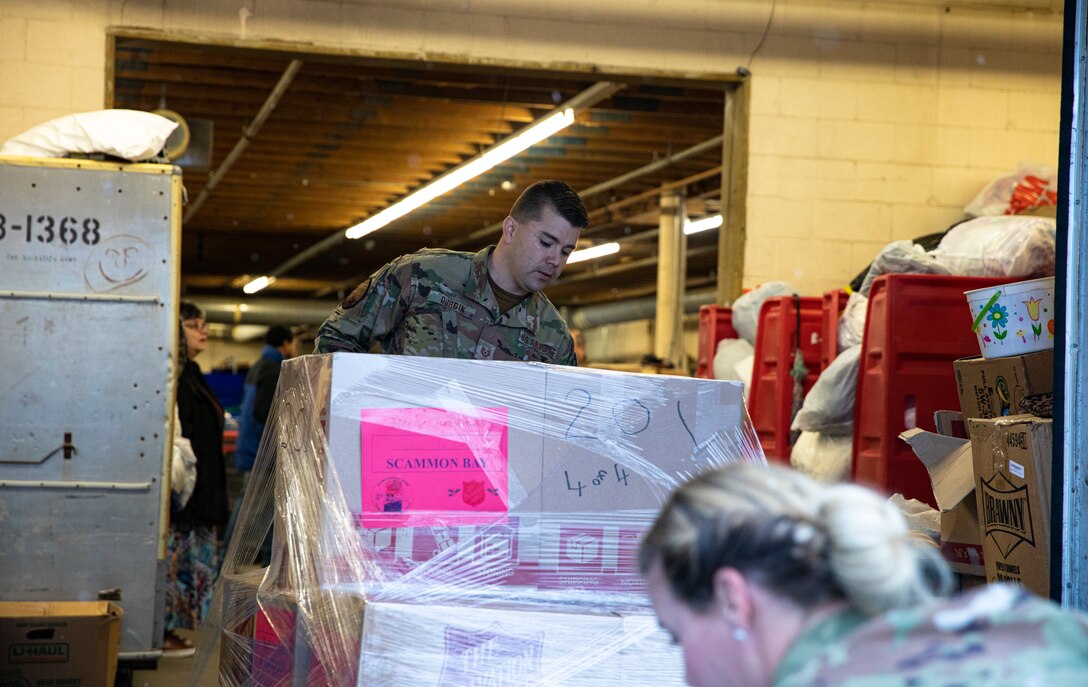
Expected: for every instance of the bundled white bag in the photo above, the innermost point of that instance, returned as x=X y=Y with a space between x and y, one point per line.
x=852 y=322
x=746 y=308
x=823 y=457
x=127 y=134
x=1009 y=246
x=829 y=405
x=901 y=257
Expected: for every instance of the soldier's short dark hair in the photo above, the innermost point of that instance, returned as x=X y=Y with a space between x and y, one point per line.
x=190 y=311
x=557 y=194
x=278 y=335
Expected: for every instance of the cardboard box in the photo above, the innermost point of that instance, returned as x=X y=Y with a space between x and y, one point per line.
x=446 y=646
x=951 y=472
x=71 y=643
x=1012 y=458
x=535 y=475
x=994 y=387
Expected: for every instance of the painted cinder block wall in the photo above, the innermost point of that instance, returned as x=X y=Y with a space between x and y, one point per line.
x=870 y=121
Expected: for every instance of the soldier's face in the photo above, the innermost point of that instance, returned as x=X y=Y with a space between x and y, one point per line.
x=539 y=249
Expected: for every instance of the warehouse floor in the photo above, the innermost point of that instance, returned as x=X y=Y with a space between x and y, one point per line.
x=174 y=672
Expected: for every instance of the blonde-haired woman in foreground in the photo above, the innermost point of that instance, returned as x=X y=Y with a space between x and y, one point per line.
x=766 y=577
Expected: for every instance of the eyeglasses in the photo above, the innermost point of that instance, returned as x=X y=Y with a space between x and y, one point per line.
x=195 y=325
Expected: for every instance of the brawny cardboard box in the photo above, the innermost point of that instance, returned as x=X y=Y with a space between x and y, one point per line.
x=952 y=473
x=1012 y=458
x=71 y=643
x=994 y=387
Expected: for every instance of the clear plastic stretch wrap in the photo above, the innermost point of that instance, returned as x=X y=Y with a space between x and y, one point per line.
x=460 y=522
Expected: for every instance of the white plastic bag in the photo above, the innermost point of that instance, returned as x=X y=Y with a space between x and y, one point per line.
x=127 y=134
x=823 y=457
x=829 y=405
x=1029 y=187
x=182 y=468
x=852 y=322
x=746 y=308
x=1014 y=246
x=729 y=353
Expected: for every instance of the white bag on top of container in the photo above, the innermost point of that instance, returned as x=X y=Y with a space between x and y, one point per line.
x=1029 y=187
x=729 y=353
x=1007 y=246
x=127 y=134
x=746 y=307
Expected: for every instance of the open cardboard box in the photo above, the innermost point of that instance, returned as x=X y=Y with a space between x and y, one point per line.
x=949 y=461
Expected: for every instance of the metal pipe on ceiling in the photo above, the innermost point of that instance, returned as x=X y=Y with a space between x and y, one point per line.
x=248 y=135
x=265 y=311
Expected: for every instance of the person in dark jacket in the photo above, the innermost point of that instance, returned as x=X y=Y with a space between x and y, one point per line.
x=260 y=388
x=193 y=546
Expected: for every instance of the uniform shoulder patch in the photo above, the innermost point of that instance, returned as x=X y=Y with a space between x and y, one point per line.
x=355 y=296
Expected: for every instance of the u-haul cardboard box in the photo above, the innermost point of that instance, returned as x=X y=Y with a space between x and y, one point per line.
x=994 y=387
x=47 y=643
x=1012 y=458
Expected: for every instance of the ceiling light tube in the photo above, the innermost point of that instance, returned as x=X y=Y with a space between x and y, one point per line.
x=465 y=171
x=712 y=222
x=593 y=252
x=258 y=284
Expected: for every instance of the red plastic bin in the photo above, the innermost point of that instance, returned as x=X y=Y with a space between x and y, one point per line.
x=834 y=302
x=916 y=325
x=715 y=324
x=771 y=400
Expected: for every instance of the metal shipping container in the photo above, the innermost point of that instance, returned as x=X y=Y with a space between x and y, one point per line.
x=89 y=256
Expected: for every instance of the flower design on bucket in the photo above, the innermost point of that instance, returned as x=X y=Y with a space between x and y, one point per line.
x=999 y=318
x=1033 y=308
x=1033 y=315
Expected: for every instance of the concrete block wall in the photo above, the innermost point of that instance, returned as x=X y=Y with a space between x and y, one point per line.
x=870 y=121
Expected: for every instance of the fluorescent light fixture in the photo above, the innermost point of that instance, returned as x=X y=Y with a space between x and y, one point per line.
x=593 y=252
x=464 y=172
x=258 y=284
x=712 y=222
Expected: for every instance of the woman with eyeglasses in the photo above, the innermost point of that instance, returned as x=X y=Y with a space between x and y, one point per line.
x=765 y=577
x=195 y=529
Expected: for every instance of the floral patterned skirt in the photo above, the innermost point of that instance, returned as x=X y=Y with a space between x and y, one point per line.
x=192 y=564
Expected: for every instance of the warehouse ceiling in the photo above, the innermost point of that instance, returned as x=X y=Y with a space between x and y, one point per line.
x=351 y=135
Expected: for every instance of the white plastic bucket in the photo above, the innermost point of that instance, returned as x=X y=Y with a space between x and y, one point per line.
x=1012 y=319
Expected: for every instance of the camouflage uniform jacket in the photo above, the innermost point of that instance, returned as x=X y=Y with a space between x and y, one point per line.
x=438 y=303
x=995 y=636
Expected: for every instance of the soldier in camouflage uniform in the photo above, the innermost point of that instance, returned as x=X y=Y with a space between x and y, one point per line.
x=486 y=305
x=767 y=578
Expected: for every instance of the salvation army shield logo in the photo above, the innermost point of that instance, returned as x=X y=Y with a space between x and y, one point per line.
x=472 y=492
x=488 y=657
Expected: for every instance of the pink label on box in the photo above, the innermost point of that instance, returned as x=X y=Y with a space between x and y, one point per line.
x=431 y=466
